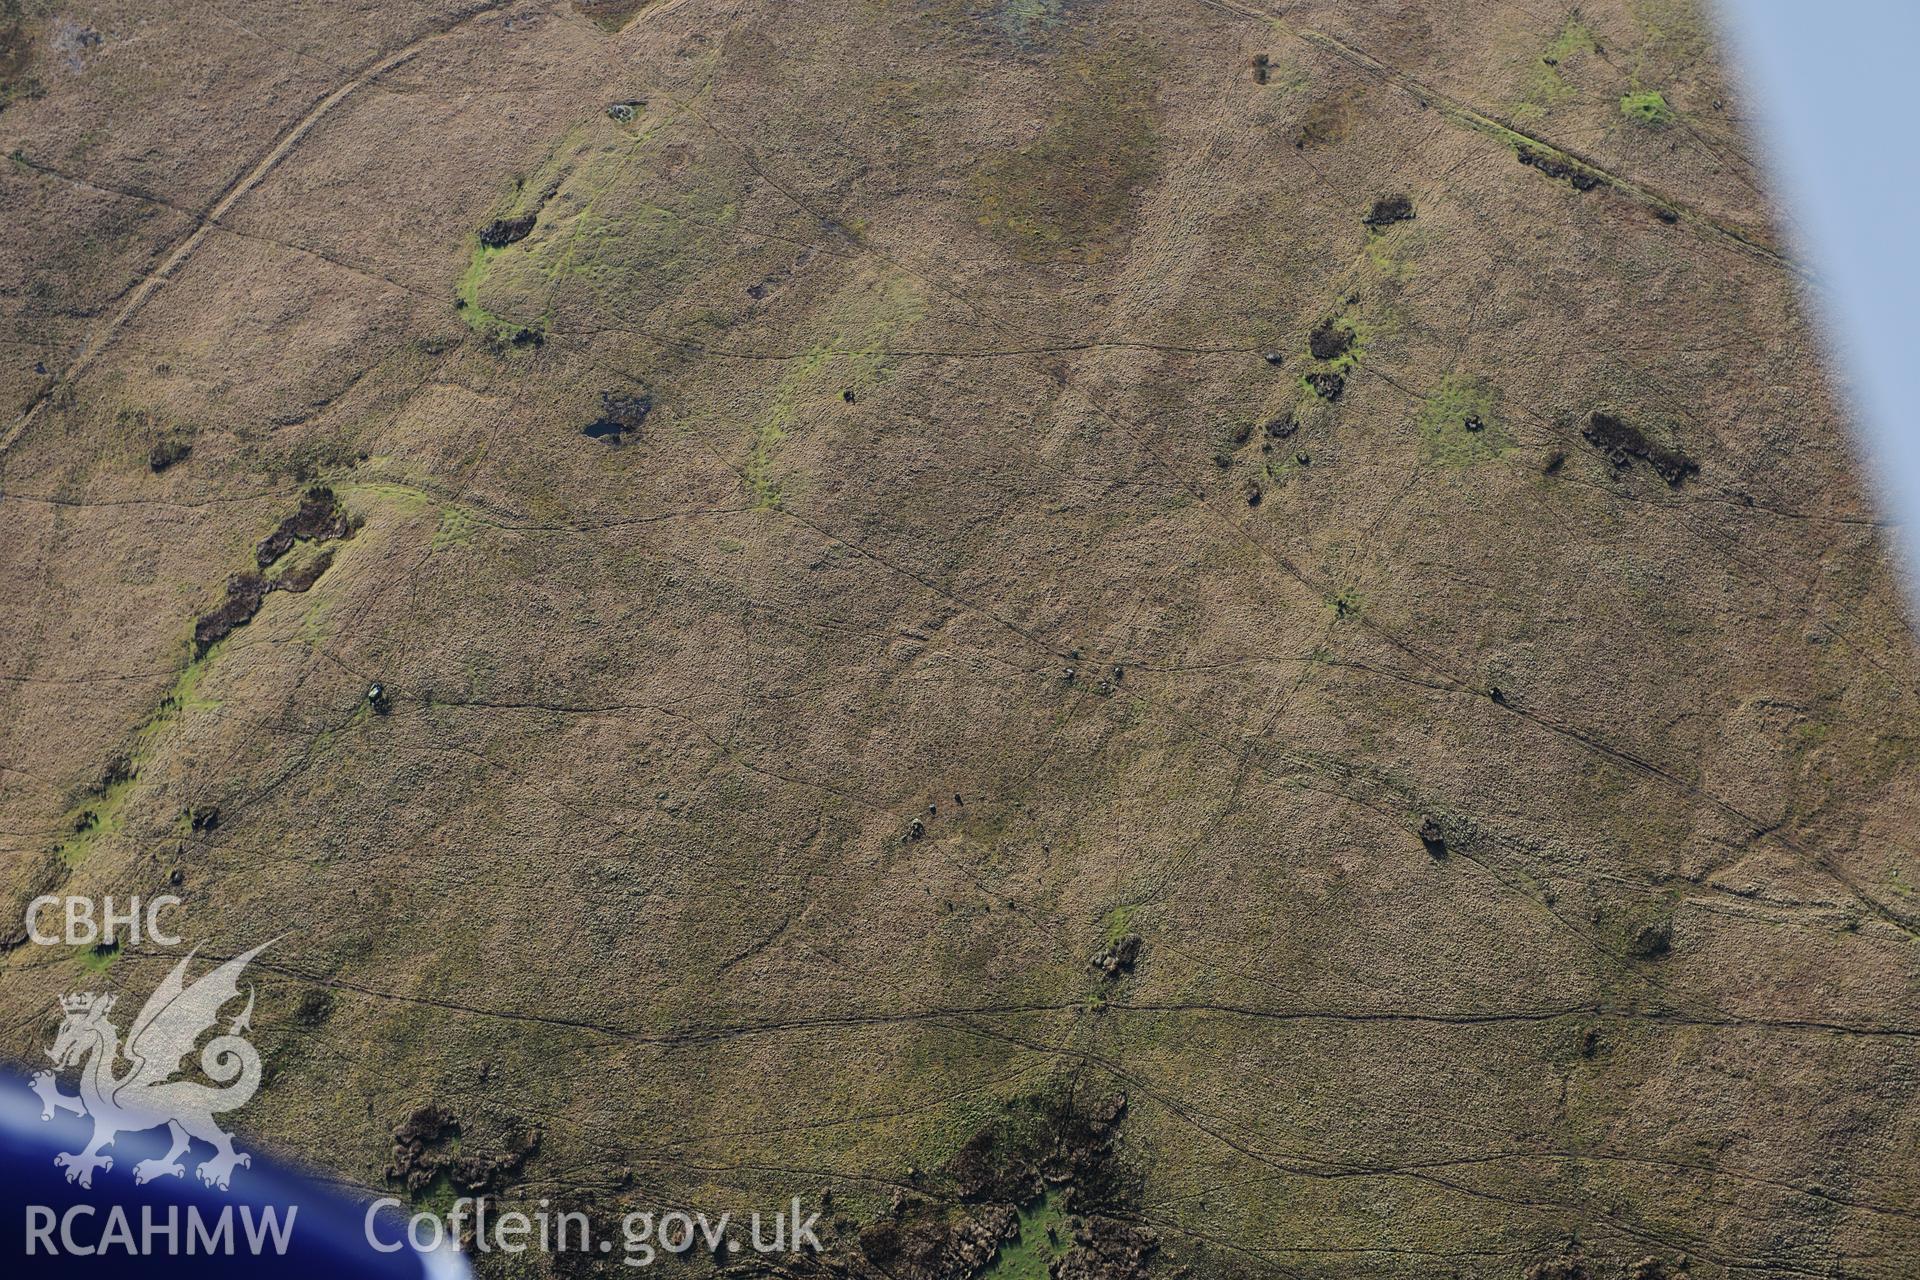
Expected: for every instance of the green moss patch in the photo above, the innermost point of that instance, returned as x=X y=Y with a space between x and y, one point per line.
x=99 y=958
x=1549 y=87
x=599 y=235
x=1118 y=922
x=1043 y=1240
x=850 y=358
x=1648 y=108
x=1461 y=425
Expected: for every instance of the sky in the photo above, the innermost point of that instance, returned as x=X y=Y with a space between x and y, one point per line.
x=1833 y=88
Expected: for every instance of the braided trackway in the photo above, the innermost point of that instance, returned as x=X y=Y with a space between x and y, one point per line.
x=204 y=224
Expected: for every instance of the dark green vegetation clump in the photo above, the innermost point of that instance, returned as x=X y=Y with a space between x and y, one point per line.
x=1067 y=195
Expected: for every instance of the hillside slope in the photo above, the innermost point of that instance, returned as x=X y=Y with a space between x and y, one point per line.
x=855 y=509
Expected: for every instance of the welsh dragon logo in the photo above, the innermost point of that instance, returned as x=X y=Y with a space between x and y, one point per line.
x=146 y=1095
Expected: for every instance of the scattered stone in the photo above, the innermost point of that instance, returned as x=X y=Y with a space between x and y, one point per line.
x=1668 y=216
x=1622 y=443
x=915 y=831
x=1432 y=836
x=1388 y=210
x=1303 y=458
x=419 y=1146
x=1119 y=957
x=1253 y=495
x=1274 y=358
x=1067 y=675
x=502 y=232
x=379 y=699
x=1473 y=423
x=912 y=1245
x=624 y=112
x=1107 y=1250
x=203 y=818
x=1327 y=386
x=428 y=1143
x=1039 y=1143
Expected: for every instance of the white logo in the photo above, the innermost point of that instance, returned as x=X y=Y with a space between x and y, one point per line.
x=147 y=1095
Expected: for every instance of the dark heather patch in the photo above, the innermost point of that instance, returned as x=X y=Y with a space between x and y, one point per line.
x=1329 y=341
x=1622 y=443
x=315 y=1007
x=1651 y=941
x=245 y=591
x=502 y=232
x=299 y=580
x=1388 y=210
x=319 y=519
x=1554 y=167
x=118 y=770
x=166 y=453
x=620 y=415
